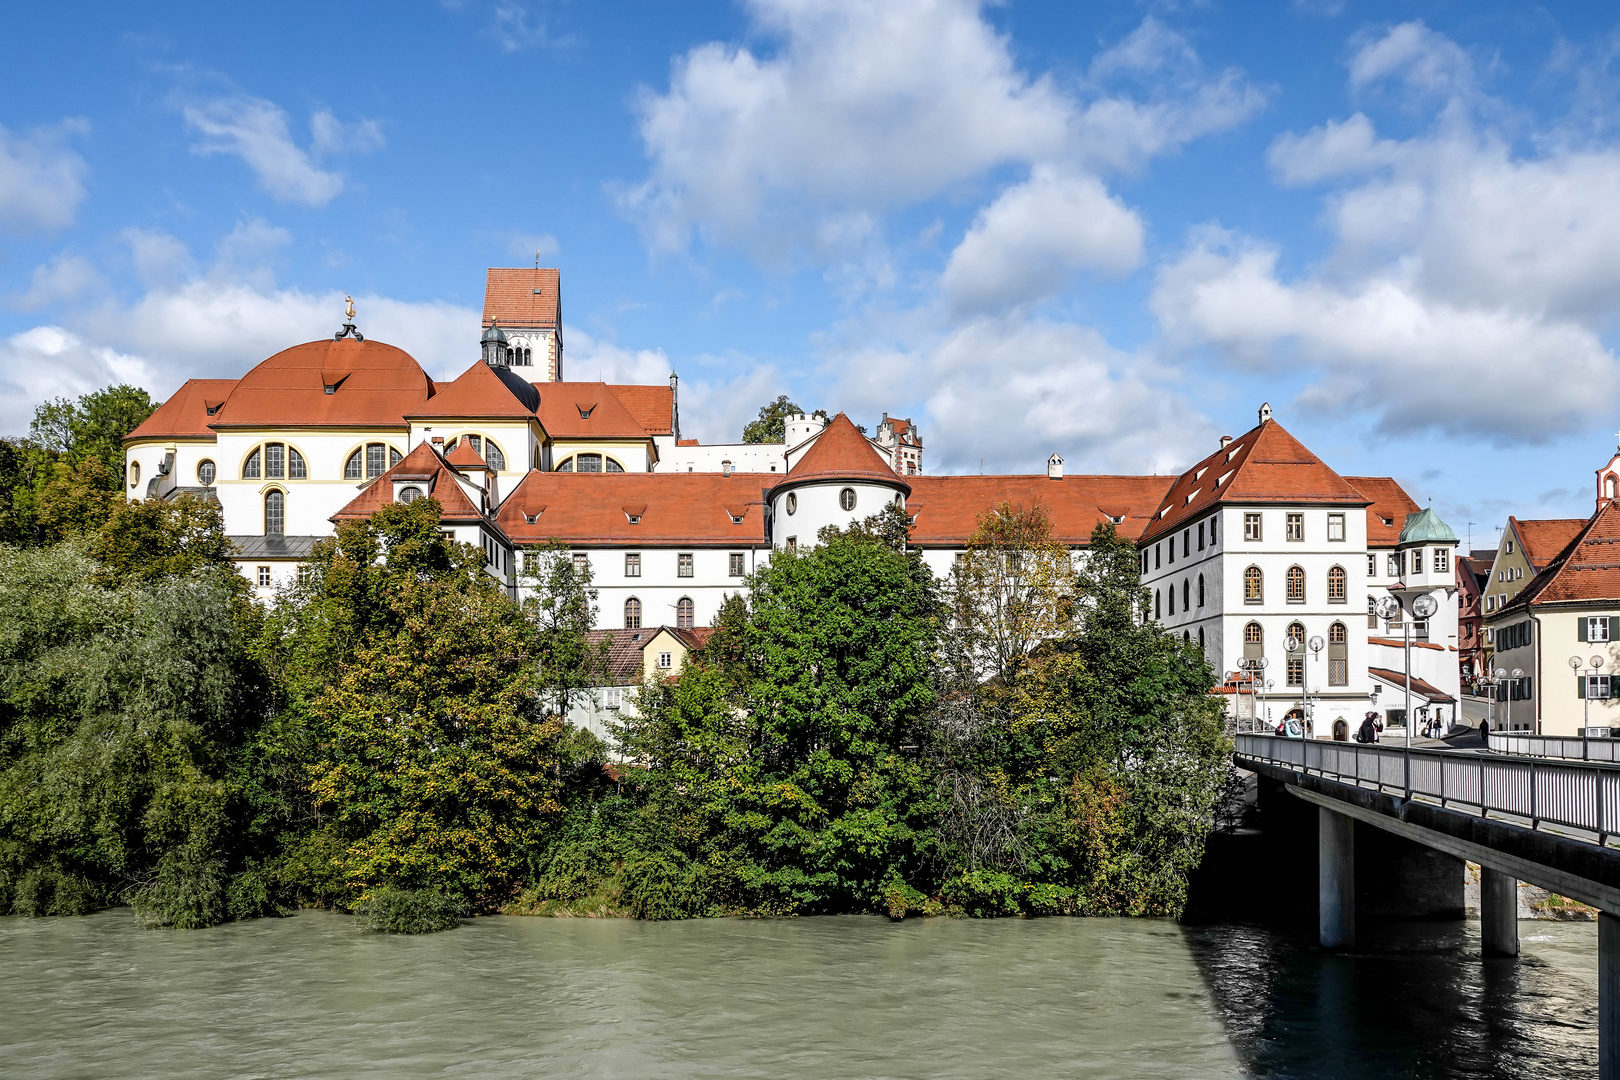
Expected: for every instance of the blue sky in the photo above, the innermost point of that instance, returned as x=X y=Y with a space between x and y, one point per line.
x=1109 y=229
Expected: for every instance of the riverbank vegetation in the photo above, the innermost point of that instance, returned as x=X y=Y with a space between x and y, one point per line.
x=389 y=736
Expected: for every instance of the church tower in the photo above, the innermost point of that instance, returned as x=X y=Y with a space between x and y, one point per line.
x=525 y=305
x=1608 y=479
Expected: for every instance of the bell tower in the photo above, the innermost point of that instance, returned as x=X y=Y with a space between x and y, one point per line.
x=1608 y=478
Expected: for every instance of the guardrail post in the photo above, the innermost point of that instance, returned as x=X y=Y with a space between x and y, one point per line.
x=1482 y=803
x=1406 y=754
x=1535 y=819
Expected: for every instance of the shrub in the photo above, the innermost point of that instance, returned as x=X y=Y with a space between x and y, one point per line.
x=188 y=893
x=985 y=894
x=657 y=887
x=392 y=910
x=48 y=891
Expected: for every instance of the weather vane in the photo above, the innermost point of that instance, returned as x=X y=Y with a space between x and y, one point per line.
x=348 y=325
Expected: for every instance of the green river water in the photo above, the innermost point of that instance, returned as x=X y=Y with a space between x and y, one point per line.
x=309 y=996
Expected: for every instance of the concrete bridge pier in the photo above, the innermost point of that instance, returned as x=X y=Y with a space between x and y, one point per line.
x=1336 y=880
x=1608 y=996
x=1498 y=912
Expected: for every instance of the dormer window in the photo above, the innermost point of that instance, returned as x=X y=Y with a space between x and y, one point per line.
x=736 y=519
x=410 y=494
x=213 y=409
x=585 y=410
x=634 y=519
x=531 y=518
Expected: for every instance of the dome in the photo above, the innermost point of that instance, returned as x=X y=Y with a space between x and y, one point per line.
x=328 y=383
x=1425 y=527
x=495 y=334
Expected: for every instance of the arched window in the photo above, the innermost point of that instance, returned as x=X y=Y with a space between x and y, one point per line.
x=1254 y=641
x=1170 y=600
x=1608 y=486
x=134 y=473
x=1200 y=639
x=296 y=469
x=1337 y=582
x=846 y=498
x=1296 y=659
x=410 y=494
x=1186 y=594
x=588 y=463
x=205 y=473
x=1200 y=590
x=370 y=461
x=1296 y=585
x=275 y=514
x=792 y=503
x=493 y=456
x=250 y=467
x=632 y=614
x=683 y=614
x=1158 y=605
x=1338 y=655
x=1253 y=586
x=612 y=466
x=1297 y=632
x=275 y=461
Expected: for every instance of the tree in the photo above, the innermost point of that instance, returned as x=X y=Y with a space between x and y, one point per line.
x=562 y=605
x=152 y=539
x=1013 y=588
x=771 y=424
x=93 y=426
x=72 y=500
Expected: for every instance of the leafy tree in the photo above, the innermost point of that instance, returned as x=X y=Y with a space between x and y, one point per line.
x=562 y=603
x=153 y=539
x=1013 y=588
x=72 y=500
x=771 y=424
x=94 y=426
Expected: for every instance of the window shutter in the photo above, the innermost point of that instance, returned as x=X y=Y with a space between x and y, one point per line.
x=1580 y=686
x=1614 y=627
x=1580 y=628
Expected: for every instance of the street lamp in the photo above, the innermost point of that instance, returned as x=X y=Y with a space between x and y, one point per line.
x=1317 y=645
x=1423 y=607
x=1293 y=645
x=1586 y=694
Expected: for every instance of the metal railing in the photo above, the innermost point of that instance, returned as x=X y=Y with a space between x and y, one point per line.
x=1565 y=748
x=1579 y=795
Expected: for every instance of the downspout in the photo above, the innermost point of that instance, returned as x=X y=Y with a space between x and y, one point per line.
x=1536 y=670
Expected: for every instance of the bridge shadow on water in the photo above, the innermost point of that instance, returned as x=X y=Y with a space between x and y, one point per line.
x=1413 y=1000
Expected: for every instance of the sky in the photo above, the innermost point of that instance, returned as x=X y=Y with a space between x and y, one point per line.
x=1109 y=230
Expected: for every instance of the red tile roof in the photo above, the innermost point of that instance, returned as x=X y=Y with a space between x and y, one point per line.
x=652 y=406
x=1542 y=539
x=1419 y=686
x=464 y=457
x=676 y=509
x=842 y=453
x=562 y=403
x=439 y=482
x=485 y=392
x=624 y=659
x=1390 y=503
x=185 y=415
x=1588 y=567
x=523 y=298
x=1264 y=465
x=948 y=508
x=381 y=385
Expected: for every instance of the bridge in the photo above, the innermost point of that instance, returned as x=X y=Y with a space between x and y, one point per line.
x=1543 y=812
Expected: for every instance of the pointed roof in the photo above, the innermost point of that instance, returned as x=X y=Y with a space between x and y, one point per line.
x=1542 y=539
x=586 y=410
x=426 y=467
x=842 y=453
x=1588 y=568
x=185 y=414
x=1387 y=514
x=653 y=407
x=523 y=298
x=463 y=456
x=482 y=392
x=1425 y=527
x=1263 y=465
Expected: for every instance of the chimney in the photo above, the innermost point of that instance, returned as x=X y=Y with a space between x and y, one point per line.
x=725 y=468
x=1054 y=467
x=1265 y=411
x=674 y=407
x=1226 y=440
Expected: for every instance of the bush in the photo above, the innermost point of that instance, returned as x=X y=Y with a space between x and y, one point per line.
x=188 y=894
x=657 y=887
x=47 y=891
x=985 y=894
x=392 y=910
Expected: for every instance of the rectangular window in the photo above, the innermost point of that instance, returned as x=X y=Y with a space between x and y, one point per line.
x=683 y=564
x=1395 y=568
x=1186 y=543
x=1172 y=546
x=613 y=697
x=1295 y=527
x=632 y=564
x=666 y=660
x=1251 y=526
x=582 y=562
x=1338 y=673
x=1510 y=547
x=1597 y=686
x=1335 y=526
x=275 y=461
x=1296 y=671
x=1490 y=636
x=1372 y=614
x=1597 y=629
x=304 y=573
x=1442 y=560
x=530 y=563
x=736 y=564
x=1157 y=561
x=1211 y=532
x=1200 y=536
x=792 y=544
x=264 y=577
x=1420 y=629
x=374 y=460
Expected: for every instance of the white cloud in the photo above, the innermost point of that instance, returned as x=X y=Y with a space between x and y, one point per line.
x=65 y=277
x=49 y=362
x=1027 y=244
x=1334 y=149
x=589 y=359
x=1416 y=363
x=1420 y=59
x=158 y=257
x=41 y=177
x=256 y=130
x=716 y=412
x=864 y=108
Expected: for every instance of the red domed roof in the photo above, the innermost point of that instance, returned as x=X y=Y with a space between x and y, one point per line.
x=373 y=385
x=842 y=453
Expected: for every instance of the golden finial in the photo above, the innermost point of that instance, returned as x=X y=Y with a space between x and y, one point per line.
x=348 y=311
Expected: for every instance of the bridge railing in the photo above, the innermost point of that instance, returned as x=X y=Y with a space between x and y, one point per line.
x=1566 y=748
x=1580 y=795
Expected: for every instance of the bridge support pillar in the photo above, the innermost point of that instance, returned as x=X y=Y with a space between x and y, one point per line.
x=1608 y=997
x=1498 y=912
x=1336 y=880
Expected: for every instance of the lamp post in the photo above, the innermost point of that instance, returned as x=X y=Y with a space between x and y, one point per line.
x=1499 y=679
x=1586 y=691
x=1317 y=645
x=1257 y=684
x=1597 y=666
x=1293 y=645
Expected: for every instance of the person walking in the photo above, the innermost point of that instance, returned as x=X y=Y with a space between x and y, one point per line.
x=1368 y=732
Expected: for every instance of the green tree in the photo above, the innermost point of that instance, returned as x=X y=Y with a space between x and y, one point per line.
x=771 y=424
x=93 y=426
x=561 y=601
x=1013 y=589
x=73 y=499
x=154 y=538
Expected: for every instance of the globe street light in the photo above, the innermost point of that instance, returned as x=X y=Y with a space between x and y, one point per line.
x=1317 y=644
x=1586 y=694
x=1294 y=645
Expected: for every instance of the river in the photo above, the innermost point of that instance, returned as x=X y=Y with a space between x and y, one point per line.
x=309 y=996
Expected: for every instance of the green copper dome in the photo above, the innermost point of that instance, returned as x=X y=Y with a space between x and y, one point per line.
x=1425 y=527
x=495 y=334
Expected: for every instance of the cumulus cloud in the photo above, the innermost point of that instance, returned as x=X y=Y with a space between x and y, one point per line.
x=257 y=131
x=587 y=358
x=65 y=277
x=41 y=177
x=1467 y=287
x=1025 y=245
x=49 y=362
x=864 y=108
